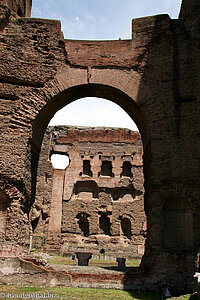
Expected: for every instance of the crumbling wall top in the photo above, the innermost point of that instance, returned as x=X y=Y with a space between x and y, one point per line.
x=97 y=134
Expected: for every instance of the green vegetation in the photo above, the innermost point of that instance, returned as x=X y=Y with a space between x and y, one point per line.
x=83 y=293
x=9 y=291
x=61 y=260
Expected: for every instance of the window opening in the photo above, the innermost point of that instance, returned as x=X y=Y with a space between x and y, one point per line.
x=127 y=169
x=126 y=227
x=106 y=168
x=34 y=223
x=87 y=168
x=104 y=223
x=83 y=223
x=60 y=161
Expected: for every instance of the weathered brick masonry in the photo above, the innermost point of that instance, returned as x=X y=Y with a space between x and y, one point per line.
x=154 y=77
x=97 y=202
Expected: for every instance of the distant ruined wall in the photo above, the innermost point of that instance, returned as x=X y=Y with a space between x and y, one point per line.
x=98 y=201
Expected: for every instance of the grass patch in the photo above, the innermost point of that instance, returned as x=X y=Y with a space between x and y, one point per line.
x=85 y=293
x=93 y=262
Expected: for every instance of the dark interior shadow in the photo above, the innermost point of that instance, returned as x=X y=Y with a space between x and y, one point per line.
x=194 y=297
x=145 y=295
x=131 y=274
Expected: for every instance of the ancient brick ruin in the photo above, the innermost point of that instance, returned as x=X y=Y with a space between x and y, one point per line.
x=154 y=77
x=97 y=202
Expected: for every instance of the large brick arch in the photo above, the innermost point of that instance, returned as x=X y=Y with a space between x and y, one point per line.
x=73 y=93
x=80 y=91
x=154 y=77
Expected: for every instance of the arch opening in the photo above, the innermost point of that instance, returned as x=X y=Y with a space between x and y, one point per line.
x=92 y=90
x=104 y=223
x=102 y=165
x=127 y=169
x=4 y=205
x=126 y=227
x=83 y=223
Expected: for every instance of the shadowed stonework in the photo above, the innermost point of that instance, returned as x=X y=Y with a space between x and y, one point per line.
x=154 y=77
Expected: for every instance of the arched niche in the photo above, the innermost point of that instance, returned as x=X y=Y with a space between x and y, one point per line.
x=177 y=224
x=83 y=223
x=104 y=223
x=127 y=169
x=4 y=204
x=126 y=227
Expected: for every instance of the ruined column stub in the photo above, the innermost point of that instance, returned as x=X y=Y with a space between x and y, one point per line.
x=83 y=258
x=121 y=262
x=28 y=8
x=56 y=207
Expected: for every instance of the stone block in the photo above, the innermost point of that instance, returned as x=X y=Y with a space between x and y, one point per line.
x=121 y=262
x=83 y=258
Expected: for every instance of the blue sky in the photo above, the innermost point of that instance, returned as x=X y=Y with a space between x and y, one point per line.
x=101 y=19
x=98 y=20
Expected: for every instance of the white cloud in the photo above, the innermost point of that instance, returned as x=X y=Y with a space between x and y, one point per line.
x=93 y=112
x=72 y=28
x=78 y=22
